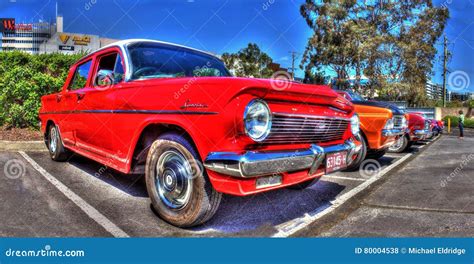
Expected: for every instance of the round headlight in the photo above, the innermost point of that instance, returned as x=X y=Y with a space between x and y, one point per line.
x=257 y=120
x=355 y=124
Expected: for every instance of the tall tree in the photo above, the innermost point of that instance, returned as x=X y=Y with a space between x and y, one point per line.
x=390 y=42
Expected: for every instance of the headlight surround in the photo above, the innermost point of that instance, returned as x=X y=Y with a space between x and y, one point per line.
x=355 y=124
x=389 y=124
x=257 y=120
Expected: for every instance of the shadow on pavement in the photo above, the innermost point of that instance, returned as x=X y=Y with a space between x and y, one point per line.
x=235 y=214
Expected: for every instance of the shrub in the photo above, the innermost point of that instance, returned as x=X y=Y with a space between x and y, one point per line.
x=468 y=122
x=24 y=78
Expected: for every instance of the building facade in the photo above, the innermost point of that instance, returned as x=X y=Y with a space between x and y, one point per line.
x=434 y=91
x=45 y=37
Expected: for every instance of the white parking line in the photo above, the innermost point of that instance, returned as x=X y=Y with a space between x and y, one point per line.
x=342 y=178
x=291 y=227
x=85 y=207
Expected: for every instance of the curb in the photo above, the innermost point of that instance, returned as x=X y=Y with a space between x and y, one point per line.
x=6 y=145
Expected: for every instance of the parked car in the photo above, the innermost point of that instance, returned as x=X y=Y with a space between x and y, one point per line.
x=418 y=129
x=176 y=115
x=436 y=126
x=381 y=124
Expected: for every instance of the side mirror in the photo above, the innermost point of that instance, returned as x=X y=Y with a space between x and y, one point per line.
x=105 y=78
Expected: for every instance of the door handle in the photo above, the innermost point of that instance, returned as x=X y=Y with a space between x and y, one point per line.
x=80 y=96
x=58 y=97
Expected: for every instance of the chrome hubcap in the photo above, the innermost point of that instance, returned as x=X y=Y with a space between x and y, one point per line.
x=173 y=179
x=53 y=140
x=398 y=144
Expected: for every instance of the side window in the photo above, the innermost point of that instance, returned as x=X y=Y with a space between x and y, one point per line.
x=119 y=72
x=109 y=64
x=80 y=76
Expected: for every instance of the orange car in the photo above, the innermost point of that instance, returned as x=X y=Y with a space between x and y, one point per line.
x=381 y=124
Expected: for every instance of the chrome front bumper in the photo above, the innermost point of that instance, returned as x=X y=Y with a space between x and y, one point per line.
x=254 y=164
x=421 y=133
x=392 y=132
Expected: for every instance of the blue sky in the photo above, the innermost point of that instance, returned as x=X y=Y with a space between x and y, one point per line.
x=223 y=25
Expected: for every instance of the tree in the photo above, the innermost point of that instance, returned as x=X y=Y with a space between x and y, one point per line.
x=390 y=42
x=249 y=62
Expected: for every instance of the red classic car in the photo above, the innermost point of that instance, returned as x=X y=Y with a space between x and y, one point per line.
x=176 y=115
x=418 y=129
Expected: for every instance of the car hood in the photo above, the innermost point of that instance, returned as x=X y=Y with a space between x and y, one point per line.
x=226 y=89
x=395 y=109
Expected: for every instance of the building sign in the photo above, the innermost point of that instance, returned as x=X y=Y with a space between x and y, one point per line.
x=24 y=27
x=7 y=25
x=81 y=40
x=67 y=48
x=76 y=39
x=63 y=38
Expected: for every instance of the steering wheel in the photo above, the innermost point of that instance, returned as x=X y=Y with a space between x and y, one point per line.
x=139 y=72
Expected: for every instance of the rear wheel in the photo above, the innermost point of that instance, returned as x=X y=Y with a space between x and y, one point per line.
x=400 y=145
x=177 y=184
x=57 y=152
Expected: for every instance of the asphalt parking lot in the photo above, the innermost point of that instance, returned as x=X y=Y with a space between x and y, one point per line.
x=412 y=194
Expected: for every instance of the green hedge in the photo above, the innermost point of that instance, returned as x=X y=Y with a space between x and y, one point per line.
x=468 y=122
x=24 y=78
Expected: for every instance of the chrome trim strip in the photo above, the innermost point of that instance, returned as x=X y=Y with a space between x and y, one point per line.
x=255 y=164
x=105 y=111
x=392 y=132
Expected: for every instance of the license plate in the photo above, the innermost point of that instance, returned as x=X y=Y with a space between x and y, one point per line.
x=336 y=161
x=268 y=181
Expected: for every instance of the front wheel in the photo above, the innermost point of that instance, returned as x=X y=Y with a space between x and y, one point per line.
x=177 y=184
x=400 y=145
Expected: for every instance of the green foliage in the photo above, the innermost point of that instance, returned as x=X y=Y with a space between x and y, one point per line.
x=24 y=78
x=249 y=62
x=468 y=122
x=392 y=43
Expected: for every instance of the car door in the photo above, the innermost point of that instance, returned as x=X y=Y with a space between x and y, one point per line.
x=70 y=114
x=96 y=133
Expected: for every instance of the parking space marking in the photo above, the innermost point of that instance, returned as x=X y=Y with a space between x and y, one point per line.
x=291 y=227
x=343 y=178
x=93 y=213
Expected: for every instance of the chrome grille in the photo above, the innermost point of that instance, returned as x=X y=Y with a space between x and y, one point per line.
x=289 y=128
x=397 y=121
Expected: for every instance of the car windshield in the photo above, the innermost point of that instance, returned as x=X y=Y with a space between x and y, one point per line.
x=156 y=60
x=355 y=96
